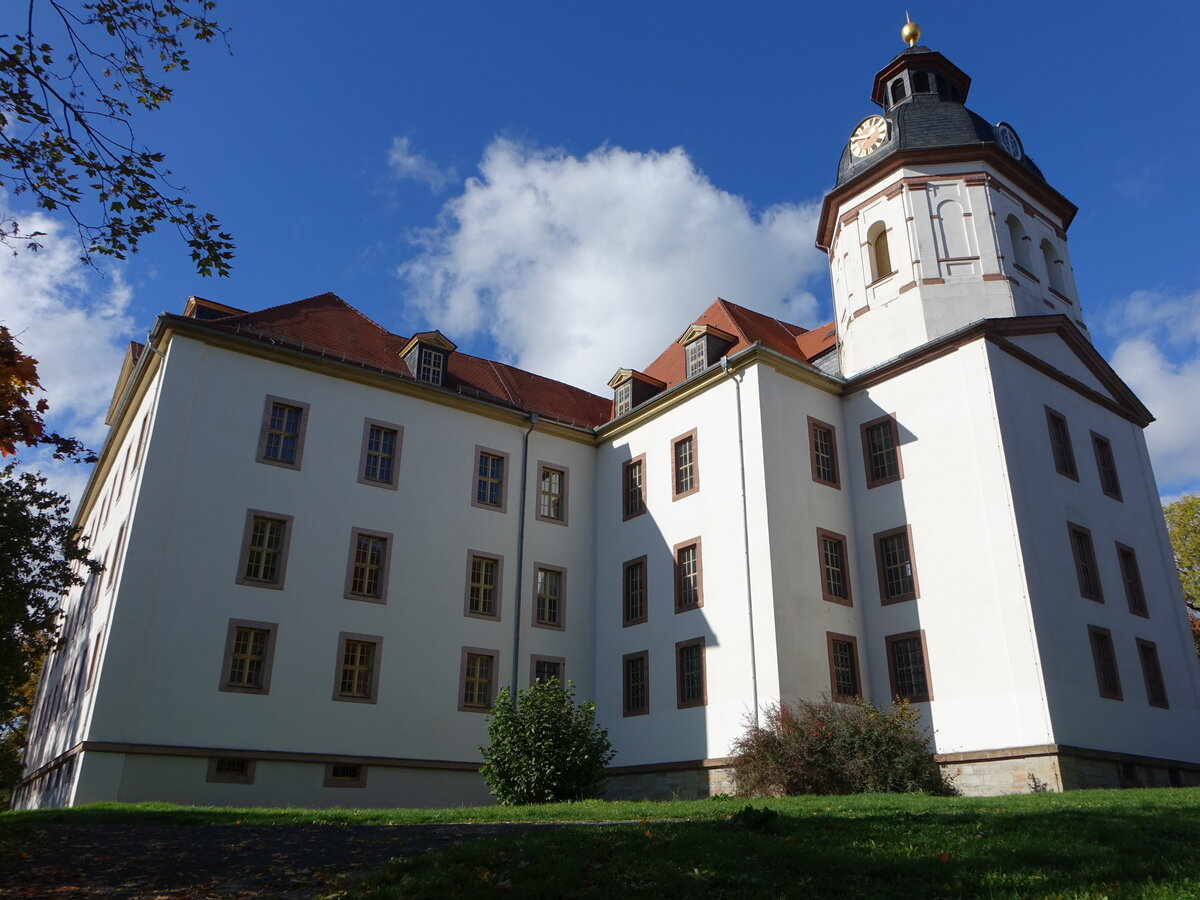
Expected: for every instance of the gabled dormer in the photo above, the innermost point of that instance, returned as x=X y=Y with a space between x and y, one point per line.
x=703 y=345
x=631 y=388
x=426 y=354
x=199 y=308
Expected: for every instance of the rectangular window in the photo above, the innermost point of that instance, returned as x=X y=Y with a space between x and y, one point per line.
x=552 y=494
x=484 y=573
x=380 y=461
x=230 y=770
x=264 y=549
x=1086 y=569
x=822 y=447
x=894 y=561
x=633 y=592
x=687 y=469
x=1106 y=464
x=835 y=572
x=635 y=683
x=881 y=451
x=249 y=654
x=697 y=356
x=431 y=367
x=281 y=441
x=357 y=677
x=367 y=571
x=623 y=398
x=1156 y=688
x=1060 y=444
x=689 y=590
x=689 y=674
x=844 y=683
x=1108 y=679
x=907 y=667
x=550 y=587
x=633 y=487
x=543 y=668
x=1133 y=581
x=345 y=775
x=490 y=487
x=477 y=680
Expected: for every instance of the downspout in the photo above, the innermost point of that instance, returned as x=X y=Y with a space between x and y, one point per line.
x=516 y=652
x=737 y=385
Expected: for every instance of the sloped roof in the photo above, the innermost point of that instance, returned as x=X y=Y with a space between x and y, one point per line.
x=327 y=325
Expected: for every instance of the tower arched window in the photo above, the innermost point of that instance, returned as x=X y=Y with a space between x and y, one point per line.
x=898 y=91
x=920 y=82
x=1053 y=267
x=879 y=252
x=1019 y=241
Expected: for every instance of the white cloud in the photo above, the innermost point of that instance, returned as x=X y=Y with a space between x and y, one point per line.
x=74 y=323
x=575 y=267
x=1159 y=357
x=406 y=162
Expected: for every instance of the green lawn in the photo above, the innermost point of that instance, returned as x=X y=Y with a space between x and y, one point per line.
x=1087 y=844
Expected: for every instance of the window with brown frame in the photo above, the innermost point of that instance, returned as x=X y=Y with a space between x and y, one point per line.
x=881 y=451
x=249 y=655
x=1132 y=577
x=543 y=668
x=686 y=466
x=357 y=678
x=367 y=569
x=484 y=579
x=1108 y=678
x=908 y=667
x=281 y=440
x=477 y=680
x=634 y=608
x=1156 y=688
x=379 y=462
x=822 y=448
x=345 y=775
x=230 y=770
x=1086 y=569
x=633 y=487
x=691 y=686
x=689 y=588
x=490 y=484
x=635 y=683
x=844 y=683
x=265 y=540
x=1060 y=444
x=1106 y=465
x=552 y=494
x=548 y=602
x=894 y=562
x=835 y=571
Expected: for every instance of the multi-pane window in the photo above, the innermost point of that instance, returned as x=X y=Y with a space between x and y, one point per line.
x=248 y=659
x=379 y=455
x=482 y=586
x=358 y=666
x=633 y=592
x=822 y=441
x=228 y=770
x=1108 y=678
x=633 y=487
x=1156 y=688
x=548 y=608
x=1060 y=444
x=683 y=455
x=623 y=398
x=283 y=432
x=264 y=551
x=689 y=660
x=688 y=592
x=881 y=451
x=345 y=775
x=843 y=667
x=489 y=479
x=431 y=365
x=897 y=576
x=368 y=566
x=906 y=664
x=1132 y=578
x=835 y=573
x=1106 y=464
x=635 y=684
x=545 y=668
x=697 y=356
x=477 y=680
x=552 y=494
x=1086 y=569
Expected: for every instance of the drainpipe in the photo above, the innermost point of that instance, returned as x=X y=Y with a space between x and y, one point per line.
x=737 y=385
x=516 y=651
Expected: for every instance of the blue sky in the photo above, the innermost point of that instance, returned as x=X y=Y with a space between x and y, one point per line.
x=565 y=185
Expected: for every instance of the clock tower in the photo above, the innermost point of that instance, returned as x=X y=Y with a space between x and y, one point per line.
x=938 y=219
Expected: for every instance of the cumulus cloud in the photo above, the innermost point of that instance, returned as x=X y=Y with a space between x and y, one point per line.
x=406 y=162
x=1159 y=357
x=75 y=324
x=575 y=267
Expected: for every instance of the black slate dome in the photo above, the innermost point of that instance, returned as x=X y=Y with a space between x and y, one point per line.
x=922 y=95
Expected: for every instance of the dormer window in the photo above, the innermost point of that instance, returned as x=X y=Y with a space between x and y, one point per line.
x=703 y=345
x=697 y=356
x=431 y=366
x=632 y=388
x=623 y=398
x=425 y=354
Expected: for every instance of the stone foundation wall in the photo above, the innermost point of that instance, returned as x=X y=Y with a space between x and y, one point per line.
x=992 y=777
x=670 y=784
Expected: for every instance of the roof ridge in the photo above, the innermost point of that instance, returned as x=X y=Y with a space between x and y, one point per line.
x=728 y=308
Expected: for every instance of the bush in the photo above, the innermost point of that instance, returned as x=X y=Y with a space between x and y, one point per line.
x=544 y=748
x=822 y=747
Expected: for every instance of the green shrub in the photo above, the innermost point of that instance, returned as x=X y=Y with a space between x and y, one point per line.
x=544 y=748
x=822 y=747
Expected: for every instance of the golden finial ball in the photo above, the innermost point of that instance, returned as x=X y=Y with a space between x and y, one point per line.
x=910 y=33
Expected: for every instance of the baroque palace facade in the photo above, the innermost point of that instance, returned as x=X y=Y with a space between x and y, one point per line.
x=327 y=546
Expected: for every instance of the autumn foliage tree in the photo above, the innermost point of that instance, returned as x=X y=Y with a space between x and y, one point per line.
x=1183 y=527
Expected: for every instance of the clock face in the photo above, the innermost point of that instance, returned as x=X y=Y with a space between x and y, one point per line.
x=868 y=136
x=1009 y=141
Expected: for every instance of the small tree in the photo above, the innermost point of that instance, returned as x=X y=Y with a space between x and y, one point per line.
x=544 y=748
x=822 y=747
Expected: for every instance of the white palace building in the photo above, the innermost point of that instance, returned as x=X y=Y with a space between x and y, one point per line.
x=327 y=546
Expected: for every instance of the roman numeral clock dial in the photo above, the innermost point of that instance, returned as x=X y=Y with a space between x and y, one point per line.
x=868 y=136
